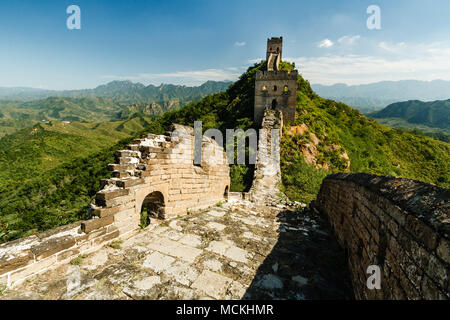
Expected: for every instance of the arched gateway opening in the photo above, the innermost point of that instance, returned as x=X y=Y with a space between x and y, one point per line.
x=274 y=104
x=225 y=193
x=152 y=207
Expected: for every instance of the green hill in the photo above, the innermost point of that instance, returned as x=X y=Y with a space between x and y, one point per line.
x=430 y=118
x=49 y=172
x=16 y=115
x=432 y=114
x=327 y=137
x=370 y=147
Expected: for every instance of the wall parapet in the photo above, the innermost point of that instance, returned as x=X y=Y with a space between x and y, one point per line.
x=277 y=75
x=401 y=225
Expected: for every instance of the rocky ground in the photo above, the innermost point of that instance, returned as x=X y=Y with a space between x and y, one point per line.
x=231 y=251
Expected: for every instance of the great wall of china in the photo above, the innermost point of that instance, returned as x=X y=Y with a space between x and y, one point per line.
x=203 y=241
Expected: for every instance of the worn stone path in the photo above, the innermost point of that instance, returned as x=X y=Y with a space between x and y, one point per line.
x=230 y=251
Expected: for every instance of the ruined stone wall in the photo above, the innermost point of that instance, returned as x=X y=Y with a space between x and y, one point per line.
x=401 y=225
x=160 y=164
x=267 y=176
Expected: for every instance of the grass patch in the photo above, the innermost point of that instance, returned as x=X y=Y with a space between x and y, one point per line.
x=116 y=244
x=78 y=260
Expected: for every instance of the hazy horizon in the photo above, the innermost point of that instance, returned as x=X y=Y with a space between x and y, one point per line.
x=226 y=80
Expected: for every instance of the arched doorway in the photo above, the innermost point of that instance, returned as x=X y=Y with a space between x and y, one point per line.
x=274 y=104
x=225 y=193
x=152 y=207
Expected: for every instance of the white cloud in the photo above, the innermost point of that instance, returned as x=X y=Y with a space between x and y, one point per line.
x=392 y=47
x=257 y=60
x=240 y=44
x=194 y=77
x=421 y=61
x=325 y=43
x=348 y=40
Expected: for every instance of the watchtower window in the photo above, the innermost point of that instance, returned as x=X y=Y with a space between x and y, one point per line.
x=278 y=49
x=264 y=88
x=275 y=88
x=286 y=89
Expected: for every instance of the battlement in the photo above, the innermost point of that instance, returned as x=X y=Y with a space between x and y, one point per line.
x=277 y=75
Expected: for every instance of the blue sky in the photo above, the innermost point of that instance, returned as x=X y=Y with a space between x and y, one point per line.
x=189 y=42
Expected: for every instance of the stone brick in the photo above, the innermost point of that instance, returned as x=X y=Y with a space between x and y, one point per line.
x=93 y=224
x=96 y=233
x=107 y=237
x=33 y=269
x=20 y=260
x=104 y=212
x=443 y=250
x=51 y=246
x=67 y=254
x=110 y=194
x=121 y=174
x=129 y=182
x=212 y=284
x=421 y=232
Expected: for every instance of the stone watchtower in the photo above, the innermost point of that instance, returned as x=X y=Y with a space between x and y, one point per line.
x=273 y=54
x=275 y=89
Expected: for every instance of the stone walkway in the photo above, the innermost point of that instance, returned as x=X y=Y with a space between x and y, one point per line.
x=230 y=251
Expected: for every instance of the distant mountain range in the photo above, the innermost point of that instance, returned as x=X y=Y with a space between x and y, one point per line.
x=121 y=91
x=375 y=96
x=117 y=100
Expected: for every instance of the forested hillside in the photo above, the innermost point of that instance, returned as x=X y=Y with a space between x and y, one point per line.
x=433 y=114
x=432 y=118
x=48 y=173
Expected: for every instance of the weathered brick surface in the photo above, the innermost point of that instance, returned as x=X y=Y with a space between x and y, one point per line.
x=21 y=260
x=398 y=224
x=51 y=246
x=267 y=175
x=94 y=224
x=103 y=212
x=110 y=194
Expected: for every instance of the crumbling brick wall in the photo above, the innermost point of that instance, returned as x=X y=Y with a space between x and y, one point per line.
x=154 y=163
x=401 y=225
x=267 y=175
